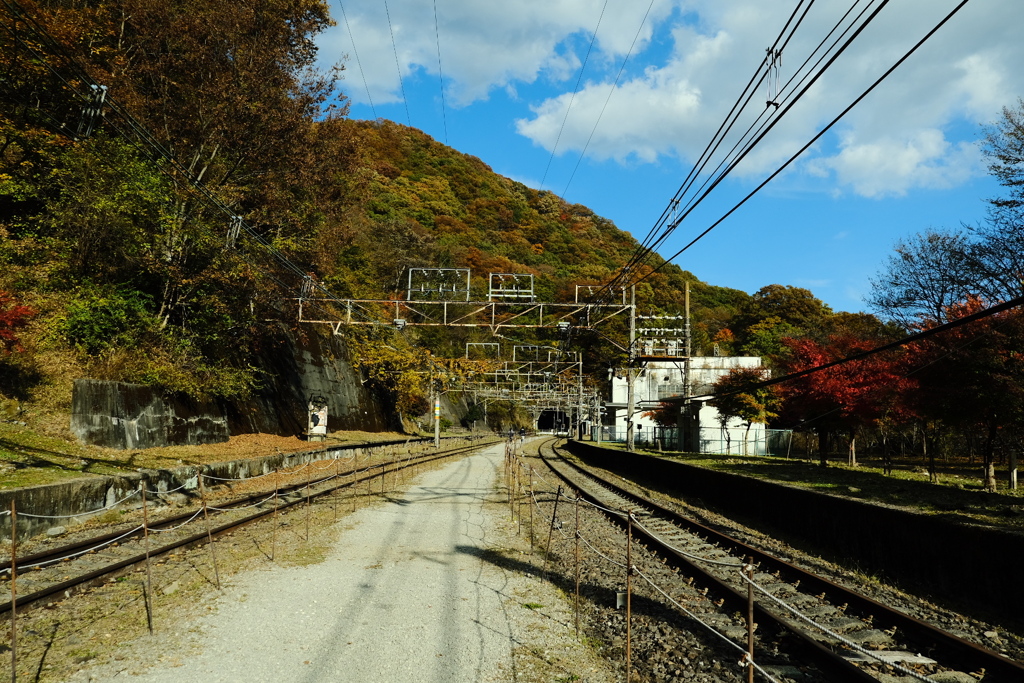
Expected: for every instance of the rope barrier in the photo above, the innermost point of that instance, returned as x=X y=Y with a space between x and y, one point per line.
x=77 y=554
x=246 y=507
x=829 y=632
x=686 y=554
x=188 y=521
x=79 y=514
x=721 y=636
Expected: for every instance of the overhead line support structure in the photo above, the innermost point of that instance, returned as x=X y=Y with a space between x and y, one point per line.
x=491 y=314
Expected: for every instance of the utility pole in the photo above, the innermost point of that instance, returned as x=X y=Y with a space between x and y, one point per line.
x=684 y=409
x=582 y=398
x=437 y=419
x=630 y=372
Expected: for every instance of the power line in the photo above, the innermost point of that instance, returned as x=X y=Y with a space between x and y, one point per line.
x=401 y=82
x=362 y=74
x=741 y=148
x=814 y=139
x=440 y=74
x=611 y=91
x=924 y=334
x=576 y=89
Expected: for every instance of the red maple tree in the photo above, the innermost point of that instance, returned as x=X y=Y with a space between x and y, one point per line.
x=849 y=396
x=13 y=316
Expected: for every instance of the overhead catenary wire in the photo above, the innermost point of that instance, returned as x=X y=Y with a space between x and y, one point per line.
x=741 y=102
x=611 y=91
x=814 y=139
x=744 y=146
x=673 y=216
x=359 y=64
x=440 y=74
x=572 y=98
x=924 y=334
x=398 y=65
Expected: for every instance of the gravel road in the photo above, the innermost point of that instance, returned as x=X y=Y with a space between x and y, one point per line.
x=414 y=590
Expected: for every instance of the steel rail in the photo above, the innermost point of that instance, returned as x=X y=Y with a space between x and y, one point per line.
x=70 y=549
x=956 y=651
x=75 y=584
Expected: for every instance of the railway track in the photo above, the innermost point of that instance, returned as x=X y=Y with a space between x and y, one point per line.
x=56 y=573
x=847 y=636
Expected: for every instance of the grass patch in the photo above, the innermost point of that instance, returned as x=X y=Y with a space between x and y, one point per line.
x=957 y=494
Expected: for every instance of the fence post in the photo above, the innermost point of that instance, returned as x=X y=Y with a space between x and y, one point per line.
x=209 y=533
x=14 y=592
x=530 y=505
x=629 y=598
x=749 y=569
x=149 y=571
x=551 y=530
x=309 y=475
x=273 y=517
x=577 y=535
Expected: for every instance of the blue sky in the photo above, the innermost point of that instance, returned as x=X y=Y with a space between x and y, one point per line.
x=905 y=159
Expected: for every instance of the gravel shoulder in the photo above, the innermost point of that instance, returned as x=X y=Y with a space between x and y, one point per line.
x=430 y=584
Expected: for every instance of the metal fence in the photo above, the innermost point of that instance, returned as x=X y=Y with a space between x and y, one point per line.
x=713 y=440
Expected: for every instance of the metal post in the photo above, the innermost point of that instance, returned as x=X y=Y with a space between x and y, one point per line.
x=309 y=475
x=337 y=488
x=629 y=598
x=149 y=570
x=750 y=619
x=437 y=419
x=630 y=377
x=273 y=517
x=14 y=592
x=530 y=505
x=577 y=536
x=551 y=530
x=209 y=532
x=519 y=496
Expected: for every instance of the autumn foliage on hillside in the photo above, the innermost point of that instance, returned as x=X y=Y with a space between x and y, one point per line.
x=13 y=316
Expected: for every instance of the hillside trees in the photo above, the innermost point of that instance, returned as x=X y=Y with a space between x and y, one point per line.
x=737 y=394
x=968 y=376
x=848 y=397
x=971 y=378
x=229 y=91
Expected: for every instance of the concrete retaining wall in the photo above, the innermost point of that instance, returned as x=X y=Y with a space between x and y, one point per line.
x=120 y=415
x=950 y=560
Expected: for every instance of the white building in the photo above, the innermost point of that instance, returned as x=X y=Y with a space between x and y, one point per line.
x=702 y=430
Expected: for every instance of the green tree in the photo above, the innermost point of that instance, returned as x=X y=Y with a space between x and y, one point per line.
x=737 y=395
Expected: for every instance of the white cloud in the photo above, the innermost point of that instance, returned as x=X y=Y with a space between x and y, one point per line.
x=914 y=131
x=890 y=167
x=484 y=45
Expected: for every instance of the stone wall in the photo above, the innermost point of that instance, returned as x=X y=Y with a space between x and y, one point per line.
x=120 y=415
x=127 y=416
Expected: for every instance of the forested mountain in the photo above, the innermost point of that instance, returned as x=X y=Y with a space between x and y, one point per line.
x=113 y=226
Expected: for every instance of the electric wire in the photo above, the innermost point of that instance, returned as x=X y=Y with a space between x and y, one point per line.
x=440 y=74
x=723 y=129
x=611 y=91
x=572 y=98
x=813 y=140
x=742 y=148
x=359 y=64
x=398 y=66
